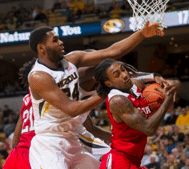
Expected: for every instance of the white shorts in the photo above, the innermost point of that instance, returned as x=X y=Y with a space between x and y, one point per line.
x=51 y=152
x=93 y=145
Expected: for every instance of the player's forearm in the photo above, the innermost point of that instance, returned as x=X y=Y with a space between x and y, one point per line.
x=124 y=46
x=154 y=121
x=75 y=108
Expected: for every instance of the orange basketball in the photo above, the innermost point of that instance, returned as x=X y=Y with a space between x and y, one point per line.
x=153 y=96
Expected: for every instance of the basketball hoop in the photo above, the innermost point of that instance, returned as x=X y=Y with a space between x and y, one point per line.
x=147 y=10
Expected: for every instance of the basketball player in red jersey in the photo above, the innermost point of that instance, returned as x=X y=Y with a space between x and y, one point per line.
x=130 y=127
x=19 y=156
x=24 y=131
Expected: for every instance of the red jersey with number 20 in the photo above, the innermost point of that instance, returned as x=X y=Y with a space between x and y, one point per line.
x=19 y=156
x=27 y=116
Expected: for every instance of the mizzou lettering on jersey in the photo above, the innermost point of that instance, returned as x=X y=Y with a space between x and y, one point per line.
x=67 y=80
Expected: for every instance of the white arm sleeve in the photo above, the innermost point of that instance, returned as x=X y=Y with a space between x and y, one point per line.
x=145 y=77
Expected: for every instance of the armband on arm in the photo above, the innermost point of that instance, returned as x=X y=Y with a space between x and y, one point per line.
x=145 y=77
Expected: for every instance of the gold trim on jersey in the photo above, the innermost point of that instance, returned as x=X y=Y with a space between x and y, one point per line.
x=45 y=108
x=89 y=139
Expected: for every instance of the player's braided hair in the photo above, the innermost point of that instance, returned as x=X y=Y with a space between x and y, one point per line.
x=101 y=76
x=24 y=71
x=131 y=69
x=134 y=73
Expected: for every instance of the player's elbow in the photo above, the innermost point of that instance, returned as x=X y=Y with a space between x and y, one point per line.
x=149 y=131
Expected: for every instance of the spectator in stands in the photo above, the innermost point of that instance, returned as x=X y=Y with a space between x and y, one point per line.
x=147 y=154
x=154 y=164
x=6 y=112
x=3 y=151
x=186 y=166
x=39 y=15
x=170 y=144
x=116 y=11
x=57 y=5
x=171 y=162
x=77 y=7
x=10 y=126
x=1 y=120
x=183 y=119
x=170 y=117
x=186 y=143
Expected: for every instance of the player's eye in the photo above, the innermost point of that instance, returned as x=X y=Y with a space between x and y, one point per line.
x=55 y=39
x=122 y=68
x=116 y=75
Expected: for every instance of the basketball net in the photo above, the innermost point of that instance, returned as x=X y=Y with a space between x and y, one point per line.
x=147 y=10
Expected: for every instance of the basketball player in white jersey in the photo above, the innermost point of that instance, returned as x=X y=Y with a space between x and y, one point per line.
x=53 y=83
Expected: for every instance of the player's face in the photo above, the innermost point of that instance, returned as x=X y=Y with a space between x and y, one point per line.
x=118 y=77
x=54 y=47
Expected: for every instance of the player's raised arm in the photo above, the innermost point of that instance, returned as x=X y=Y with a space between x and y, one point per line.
x=123 y=111
x=117 y=50
x=43 y=86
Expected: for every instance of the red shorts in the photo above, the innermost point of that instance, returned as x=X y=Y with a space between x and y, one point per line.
x=17 y=159
x=117 y=160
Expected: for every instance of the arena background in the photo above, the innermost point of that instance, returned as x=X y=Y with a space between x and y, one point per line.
x=92 y=24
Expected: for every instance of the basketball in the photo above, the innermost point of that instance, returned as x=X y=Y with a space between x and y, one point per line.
x=153 y=96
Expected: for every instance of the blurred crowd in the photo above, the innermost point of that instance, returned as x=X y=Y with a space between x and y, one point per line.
x=69 y=11
x=169 y=147
x=8 y=119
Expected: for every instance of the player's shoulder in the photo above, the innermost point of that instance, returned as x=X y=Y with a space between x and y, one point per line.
x=38 y=76
x=117 y=92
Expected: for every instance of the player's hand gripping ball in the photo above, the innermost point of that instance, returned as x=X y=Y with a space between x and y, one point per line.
x=154 y=95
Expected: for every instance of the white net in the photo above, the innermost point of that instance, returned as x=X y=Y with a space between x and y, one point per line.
x=147 y=10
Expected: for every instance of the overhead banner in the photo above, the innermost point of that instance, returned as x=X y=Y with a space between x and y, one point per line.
x=20 y=37
x=171 y=19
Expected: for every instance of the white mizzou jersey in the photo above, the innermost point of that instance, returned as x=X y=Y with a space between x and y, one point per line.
x=49 y=119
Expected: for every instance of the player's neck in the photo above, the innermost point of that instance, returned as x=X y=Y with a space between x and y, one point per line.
x=49 y=63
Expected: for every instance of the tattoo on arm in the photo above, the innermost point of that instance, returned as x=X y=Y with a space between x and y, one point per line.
x=120 y=104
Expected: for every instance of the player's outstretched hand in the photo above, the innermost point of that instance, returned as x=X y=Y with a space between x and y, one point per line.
x=170 y=90
x=152 y=29
x=160 y=80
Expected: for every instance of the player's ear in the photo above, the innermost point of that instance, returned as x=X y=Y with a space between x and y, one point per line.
x=40 y=48
x=108 y=83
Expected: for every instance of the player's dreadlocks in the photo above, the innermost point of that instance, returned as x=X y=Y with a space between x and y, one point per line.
x=101 y=77
x=24 y=71
x=133 y=72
